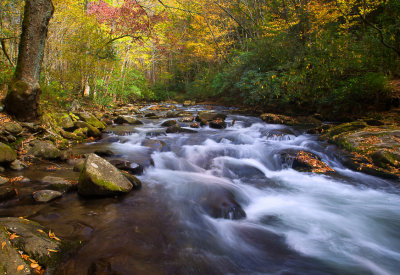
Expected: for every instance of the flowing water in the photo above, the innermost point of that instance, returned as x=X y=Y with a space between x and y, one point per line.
x=228 y=202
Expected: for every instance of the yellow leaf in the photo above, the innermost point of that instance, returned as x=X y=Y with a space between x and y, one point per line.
x=52 y=250
x=41 y=231
x=34 y=265
x=20 y=267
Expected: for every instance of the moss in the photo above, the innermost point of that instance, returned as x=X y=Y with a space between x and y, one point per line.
x=346 y=127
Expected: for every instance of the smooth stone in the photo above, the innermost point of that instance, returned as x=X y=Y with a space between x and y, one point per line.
x=46 y=195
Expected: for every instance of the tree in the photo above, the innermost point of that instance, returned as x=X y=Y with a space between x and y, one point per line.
x=23 y=97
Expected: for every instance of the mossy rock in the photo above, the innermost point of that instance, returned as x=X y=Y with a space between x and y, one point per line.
x=100 y=178
x=64 y=121
x=384 y=158
x=13 y=128
x=44 y=149
x=92 y=120
x=7 y=154
x=81 y=133
x=346 y=127
x=91 y=131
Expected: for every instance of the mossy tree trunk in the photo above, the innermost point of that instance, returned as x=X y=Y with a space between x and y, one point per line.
x=24 y=90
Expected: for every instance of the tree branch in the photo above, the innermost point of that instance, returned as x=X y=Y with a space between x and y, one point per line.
x=3 y=47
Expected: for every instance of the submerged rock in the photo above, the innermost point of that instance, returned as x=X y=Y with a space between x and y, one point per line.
x=126 y=165
x=309 y=162
x=46 y=195
x=100 y=178
x=58 y=184
x=7 y=192
x=217 y=124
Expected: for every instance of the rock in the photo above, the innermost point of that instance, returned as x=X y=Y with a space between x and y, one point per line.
x=154 y=144
x=11 y=138
x=309 y=162
x=220 y=203
x=75 y=106
x=345 y=127
x=3 y=180
x=217 y=124
x=30 y=126
x=183 y=114
x=178 y=129
x=169 y=123
x=170 y=114
x=194 y=125
x=384 y=158
x=150 y=115
x=17 y=165
x=209 y=116
x=188 y=103
x=91 y=120
x=2 y=169
x=64 y=121
x=104 y=152
x=127 y=119
x=126 y=165
x=7 y=192
x=186 y=119
x=46 y=195
x=34 y=241
x=45 y=150
x=68 y=135
x=10 y=259
x=6 y=153
x=100 y=178
x=277 y=119
x=91 y=131
x=58 y=184
x=13 y=128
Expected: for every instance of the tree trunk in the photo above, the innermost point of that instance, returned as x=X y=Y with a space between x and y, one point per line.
x=24 y=90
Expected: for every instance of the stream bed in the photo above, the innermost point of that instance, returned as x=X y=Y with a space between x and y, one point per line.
x=224 y=202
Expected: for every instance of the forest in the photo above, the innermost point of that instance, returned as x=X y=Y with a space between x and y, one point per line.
x=199 y=137
x=337 y=58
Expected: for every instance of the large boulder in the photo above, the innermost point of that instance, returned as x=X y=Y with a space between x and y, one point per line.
x=44 y=149
x=122 y=119
x=100 y=178
x=309 y=162
x=6 y=153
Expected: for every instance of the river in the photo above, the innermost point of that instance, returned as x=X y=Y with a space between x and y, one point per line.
x=227 y=202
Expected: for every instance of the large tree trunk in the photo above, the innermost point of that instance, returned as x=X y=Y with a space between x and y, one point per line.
x=24 y=90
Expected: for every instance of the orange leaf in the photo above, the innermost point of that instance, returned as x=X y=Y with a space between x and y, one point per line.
x=34 y=265
x=25 y=257
x=41 y=231
x=51 y=250
x=3 y=244
x=13 y=236
x=20 y=267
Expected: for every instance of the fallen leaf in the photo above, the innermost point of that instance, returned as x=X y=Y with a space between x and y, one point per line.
x=34 y=265
x=20 y=267
x=33 y=261
x=41 y=231
x=25 y=257
x=3 y=244
x=13 y=236
x=53 y=236
x=52 y=250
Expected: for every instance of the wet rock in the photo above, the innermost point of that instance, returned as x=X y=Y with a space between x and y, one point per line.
x=7 y=192
x=154 y=144
x=136 y=183
x=58 y=184
x=309 y=162
x=128 y=120
x=186 y=119
x=91 y=120
x=178 y=129
x=65 y=121
x=81 y=133
x=46 y=195
x=345 y=127
x=33 y=241
x=373 y=122
x=222 y=204
x=194 y=125
x=217 y=124
x=170 y=114
x=151 y=116
x=10 y=259
x=68 y=135
x=183 y=114
x=44 y=149
x=3 y=180
x=104 y=152
x=187 y=103
x=126 y=165
x=100 y=178
x=206 y=116
x=6 y=153
x=13 y=128
x=169 y=123
x=17 y=165
x=383 y=158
